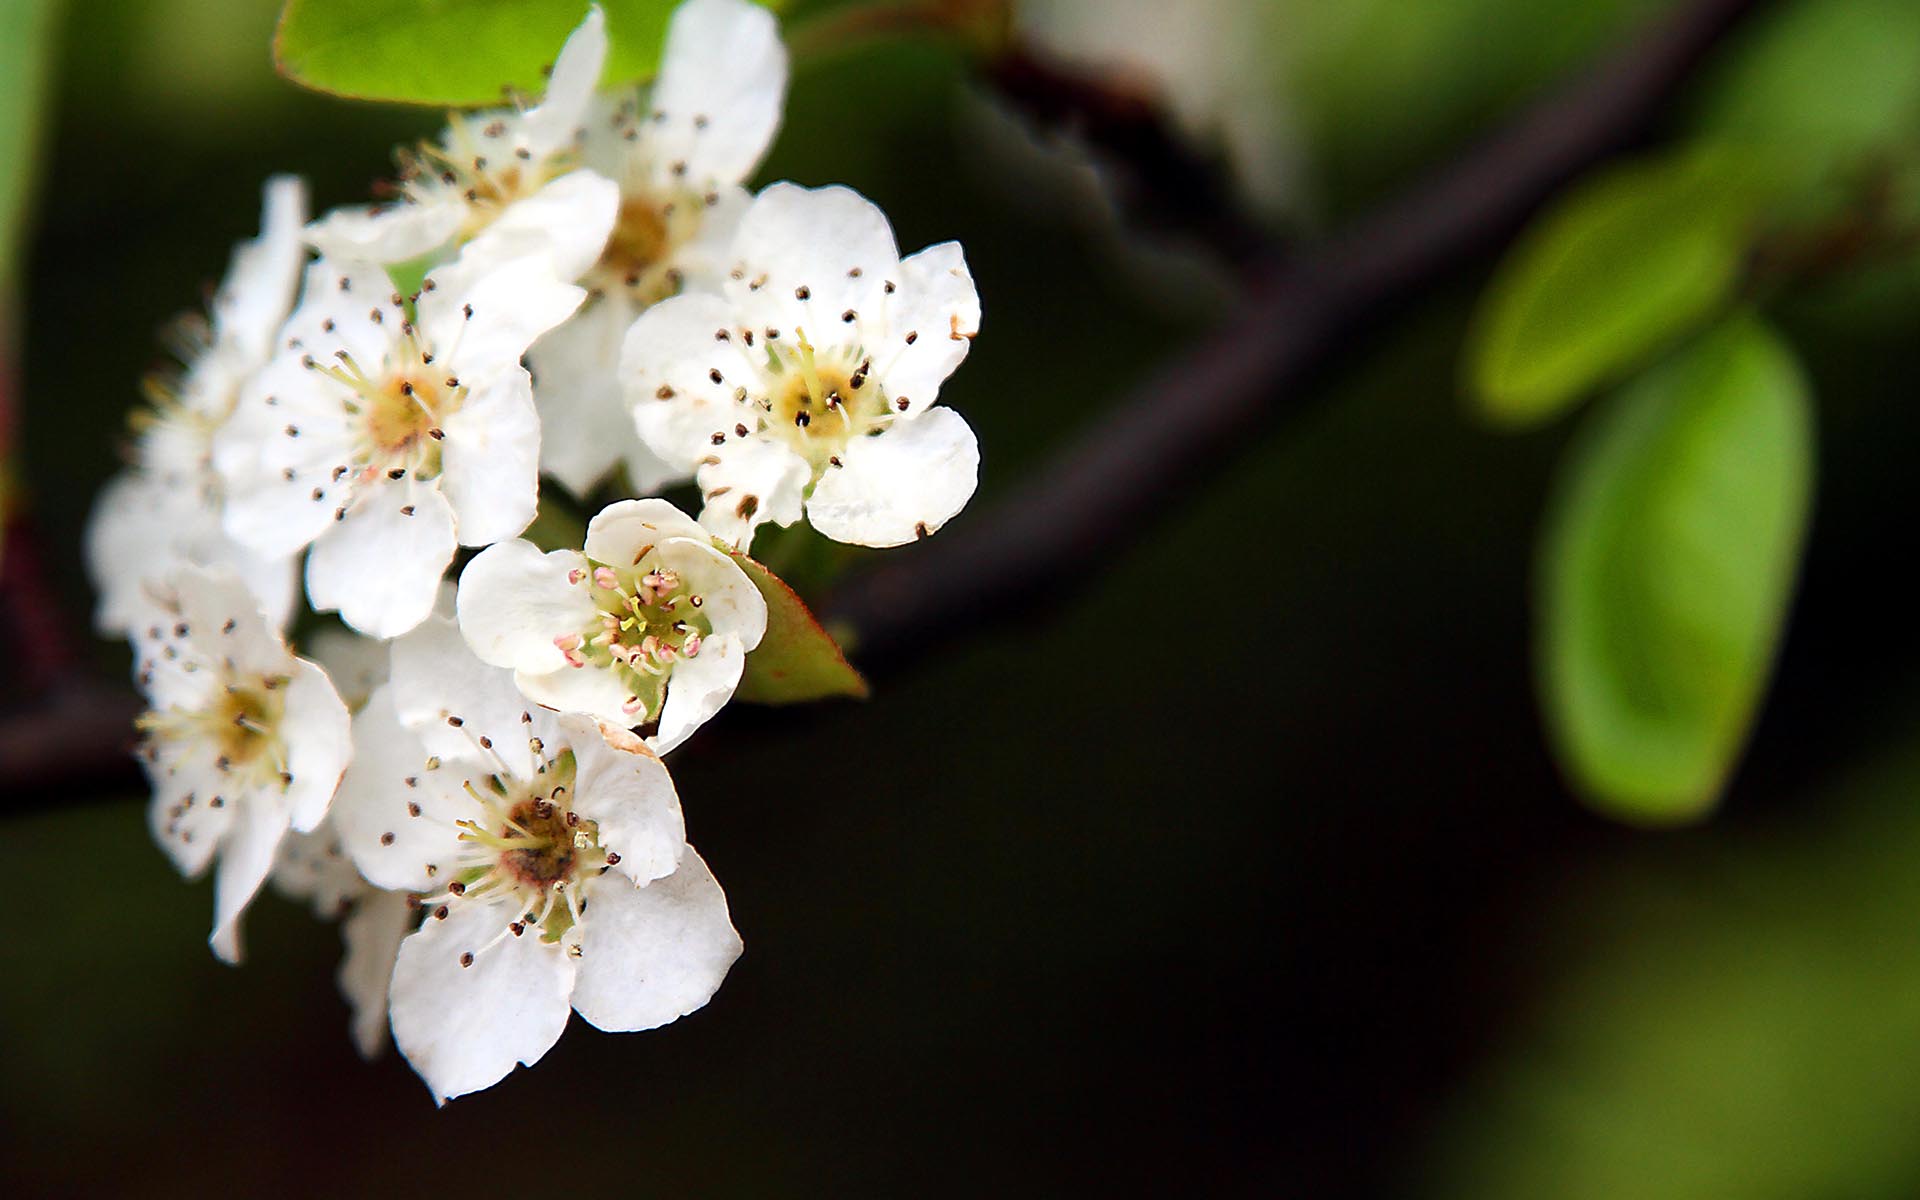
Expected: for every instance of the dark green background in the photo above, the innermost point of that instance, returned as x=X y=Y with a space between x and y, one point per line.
x=1242 y=871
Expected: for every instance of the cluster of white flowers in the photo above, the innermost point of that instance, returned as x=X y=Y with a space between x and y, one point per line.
x=471 y=777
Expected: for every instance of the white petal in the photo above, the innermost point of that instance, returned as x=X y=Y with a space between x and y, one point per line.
x=372 y=932
x=386 y=233
x=762 y=481
x=225 y=619
x=585 y=427
x=807 y=255
x=576 y=72
x=452 y=700
x=706 y=257
x=901 y=485
x=700 y=687
x=481 y=315
x=374 y=811
x=464 y=1028
x=492 y=460
x=595 y=691
x=181 y=815
x=567 y=220
x=380 y=566
x=319 y=740
x=338 y=302
x=624 y=786
x=514 y=601
x=246 y=856
x=618 y=532
x=652 y=955
x=937 y=307
x=314 y=867
x=271 y=475
x=254 y=298
x=723 y=80
x=667 y=367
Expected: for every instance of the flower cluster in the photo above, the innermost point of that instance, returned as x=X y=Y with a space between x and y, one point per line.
x=466 y=767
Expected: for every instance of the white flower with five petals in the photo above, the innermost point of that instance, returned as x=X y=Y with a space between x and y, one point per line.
x=165 y=509
x=242 y=741
x=551 y=857
x=810 y=383
x=679 y=152
x=504 y=180
x=650 y=623
x=384 y=440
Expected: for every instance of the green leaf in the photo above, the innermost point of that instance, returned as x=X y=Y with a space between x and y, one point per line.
x=1627 y=263
x=1827 y=84
x=25 y=27
x=1665 y=570
x=459 y=53
x=797 y=660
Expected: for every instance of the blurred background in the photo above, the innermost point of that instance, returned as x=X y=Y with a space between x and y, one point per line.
x=1280 y=892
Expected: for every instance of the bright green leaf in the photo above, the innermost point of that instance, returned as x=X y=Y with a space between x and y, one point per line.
x=797 y=660
x=1667 y=563
x=1830 y=84
x=1629 y=262
x=25 y=26
x=460 y=53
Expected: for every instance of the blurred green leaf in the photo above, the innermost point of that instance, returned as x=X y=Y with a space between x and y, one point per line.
x=1829 y=84
x=1667 y=562
x=1629 y=261
x=461 y=53
x=1733 y=1018
x=24 y=29
x=797 y=660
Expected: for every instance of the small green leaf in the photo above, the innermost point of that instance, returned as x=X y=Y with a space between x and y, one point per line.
x=1828 y=85
x=25 y=29
x=459 y=53
x=797 y=660
x=1667 y=562
x=1627 y=263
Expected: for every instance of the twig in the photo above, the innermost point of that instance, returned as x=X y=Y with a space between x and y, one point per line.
x=1180 y=422
x=1055 y=530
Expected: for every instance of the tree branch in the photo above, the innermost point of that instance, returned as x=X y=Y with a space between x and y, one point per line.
x=1052 y=532
x=1174 y=427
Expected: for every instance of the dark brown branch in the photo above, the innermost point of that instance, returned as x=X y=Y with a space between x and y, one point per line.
x=1172 y=429
x=1175 y=427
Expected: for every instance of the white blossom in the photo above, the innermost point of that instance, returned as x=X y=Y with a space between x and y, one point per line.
x=679 y=152
x=550 y=855
x=314 y=867
x=651 y=623
x=385 y=440
x=164 y=510
x=810 y=383
x=1210 y=63
x=504 y=178
x=242 y=741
